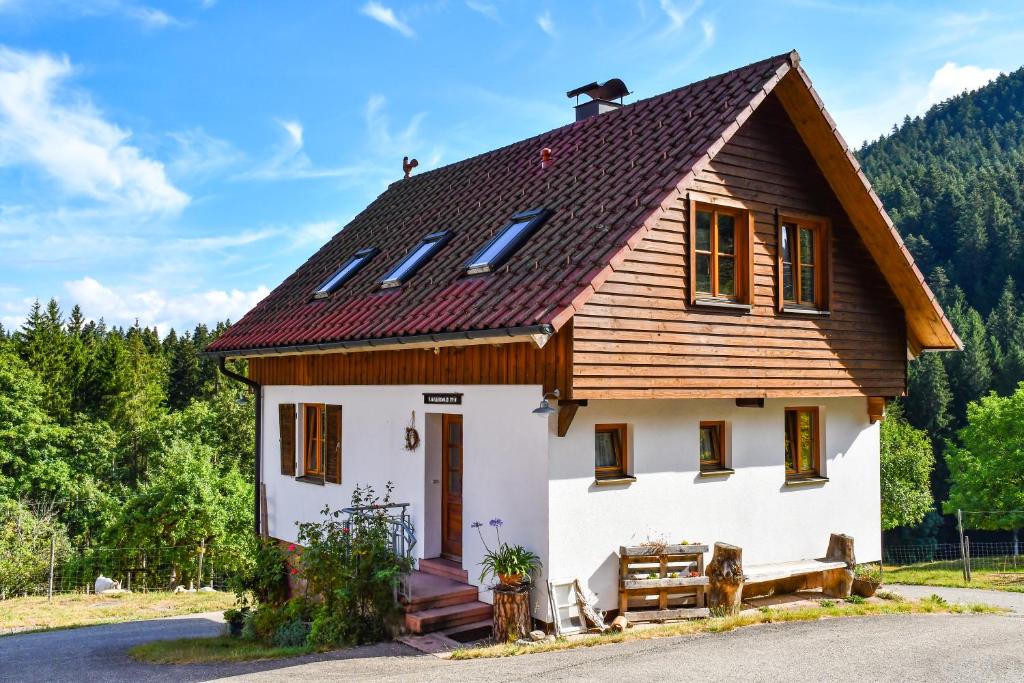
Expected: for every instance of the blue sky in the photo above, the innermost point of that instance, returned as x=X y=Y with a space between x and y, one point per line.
x=172 y=162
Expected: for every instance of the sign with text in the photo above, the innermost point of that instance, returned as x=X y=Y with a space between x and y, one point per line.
x=442 y=399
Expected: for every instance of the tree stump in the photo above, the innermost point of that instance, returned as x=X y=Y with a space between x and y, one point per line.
x=838 y=583
x=512 y=619
x=725 y=579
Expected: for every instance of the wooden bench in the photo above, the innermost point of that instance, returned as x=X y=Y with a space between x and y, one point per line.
x=731 y=582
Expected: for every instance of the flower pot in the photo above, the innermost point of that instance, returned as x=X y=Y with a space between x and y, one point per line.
x=865 y=588
x=235 y=628
x=510 y=579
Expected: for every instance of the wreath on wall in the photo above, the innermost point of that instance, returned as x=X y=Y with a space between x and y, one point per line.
x=412 y=437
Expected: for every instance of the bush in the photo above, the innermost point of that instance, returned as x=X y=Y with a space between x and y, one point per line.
x=25 y=547
x=351 y=566
x=294 y=633
x=868 y=572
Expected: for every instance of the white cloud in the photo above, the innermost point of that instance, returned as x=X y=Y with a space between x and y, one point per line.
x=707 y=27
x=386 y=16
x=484 y=8
x=157 y=307
x=294 y=130
x=677 y=17
x=290 y=161
x=46 y=125
x=148 y=17
x=951 y=80
x=547 y=24
x=197 y=155
x=316 y=233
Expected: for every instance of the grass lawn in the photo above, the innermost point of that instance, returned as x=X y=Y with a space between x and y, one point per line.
x=824 y=610
x=947 y=573
x=210 y=651
x=68 y=611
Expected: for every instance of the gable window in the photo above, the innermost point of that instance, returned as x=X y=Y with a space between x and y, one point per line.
x=720 y=262
x=321 y=442
x=803 y=263
x=502 y=245
x=346 y=272
x=712 y=446
x=803 y=443
x=408 y=266
x=610 y=451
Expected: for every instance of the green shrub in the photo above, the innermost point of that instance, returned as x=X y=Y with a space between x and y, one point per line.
x=266 y=620
x=856 y=599
x=350 y=565
x=890 y=596
x=869 y=572
x=827 y=603
x=294 y=633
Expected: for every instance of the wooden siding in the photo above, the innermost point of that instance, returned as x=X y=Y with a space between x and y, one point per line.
x=638 y=336
x=516 y=363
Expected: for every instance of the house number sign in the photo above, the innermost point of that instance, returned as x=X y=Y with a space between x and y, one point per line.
x=443 y=399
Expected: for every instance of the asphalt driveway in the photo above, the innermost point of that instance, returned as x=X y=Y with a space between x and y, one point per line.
x=907 y=648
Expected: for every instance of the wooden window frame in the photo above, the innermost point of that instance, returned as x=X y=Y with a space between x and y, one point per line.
x=620 y=469
x=796 y=472
x=719 y=426
x=321 y=412
x=744 y=238
x=822 y=228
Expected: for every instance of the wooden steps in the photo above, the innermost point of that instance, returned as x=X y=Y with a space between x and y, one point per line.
x=439 y=566
x=440 y=599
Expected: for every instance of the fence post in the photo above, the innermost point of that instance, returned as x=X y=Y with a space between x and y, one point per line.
x=963 y=553
x=202 y=552
x=967 y=556
x=53 y=555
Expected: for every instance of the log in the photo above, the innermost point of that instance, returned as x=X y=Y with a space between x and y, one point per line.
x=725 y=579
x=512 y=619
x=838 y=583
x=620 y=624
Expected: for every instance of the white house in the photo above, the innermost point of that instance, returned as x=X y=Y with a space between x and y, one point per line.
x=701 y=284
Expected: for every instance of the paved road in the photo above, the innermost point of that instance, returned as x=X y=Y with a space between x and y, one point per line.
x=1011 y=601
x=907 y=648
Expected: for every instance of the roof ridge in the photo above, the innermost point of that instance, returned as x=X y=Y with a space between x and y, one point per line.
x=792 y=56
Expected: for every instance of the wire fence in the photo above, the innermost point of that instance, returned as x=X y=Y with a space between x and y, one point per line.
x=167 y=568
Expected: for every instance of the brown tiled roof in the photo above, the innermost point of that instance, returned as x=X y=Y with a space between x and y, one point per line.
x=608 y=176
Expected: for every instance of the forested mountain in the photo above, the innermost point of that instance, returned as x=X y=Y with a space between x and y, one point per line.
x=953 y=182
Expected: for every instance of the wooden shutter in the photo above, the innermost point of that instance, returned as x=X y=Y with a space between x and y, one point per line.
x=332 y=446
x=286 y=420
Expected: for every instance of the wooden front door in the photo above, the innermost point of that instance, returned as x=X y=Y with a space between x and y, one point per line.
x=451 y=487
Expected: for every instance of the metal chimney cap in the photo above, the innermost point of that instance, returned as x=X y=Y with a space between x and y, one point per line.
x=609 y=90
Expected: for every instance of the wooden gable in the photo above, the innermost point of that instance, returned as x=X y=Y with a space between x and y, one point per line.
x=639 y=337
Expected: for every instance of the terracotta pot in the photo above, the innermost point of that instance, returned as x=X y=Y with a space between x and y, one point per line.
x=865 y=588
x=510 y=579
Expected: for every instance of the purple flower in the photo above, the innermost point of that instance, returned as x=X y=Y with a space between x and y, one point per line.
x=496 y=522
x=476 y=525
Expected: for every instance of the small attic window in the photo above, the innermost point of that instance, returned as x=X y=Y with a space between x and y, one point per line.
x=511 y=237
x=416 y=258
x=350 y=268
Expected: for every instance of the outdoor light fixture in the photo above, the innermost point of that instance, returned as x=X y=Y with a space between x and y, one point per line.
x=242 y=401
x=545 y=408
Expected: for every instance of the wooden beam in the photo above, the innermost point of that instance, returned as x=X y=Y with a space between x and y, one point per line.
x=876 y=408
x=566 y=413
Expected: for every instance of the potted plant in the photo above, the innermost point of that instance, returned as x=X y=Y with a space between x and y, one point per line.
x=510 y=564
x=235 y=619
x=866 y=579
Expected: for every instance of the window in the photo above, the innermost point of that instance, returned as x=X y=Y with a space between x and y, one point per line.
x=802 y=442
x=501 y=246
x=610 y=451
x=720 y=261
x=416 y=258
x=313 y=440
x=712 y=446
x=321 y=442
x=350 y=268
x=803 y=263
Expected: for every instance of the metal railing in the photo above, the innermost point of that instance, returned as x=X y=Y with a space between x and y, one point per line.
x=401 y=534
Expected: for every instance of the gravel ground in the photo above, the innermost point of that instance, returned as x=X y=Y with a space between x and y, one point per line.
x=907 y=648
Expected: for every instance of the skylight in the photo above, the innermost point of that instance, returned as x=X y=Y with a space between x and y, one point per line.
x=416 y=258
x=347 y=271
x=511 y=237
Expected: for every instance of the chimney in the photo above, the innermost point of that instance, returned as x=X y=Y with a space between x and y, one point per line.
x=602 y=98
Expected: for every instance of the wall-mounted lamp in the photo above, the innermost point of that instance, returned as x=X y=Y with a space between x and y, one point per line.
x=242 y=400
x=545 y=408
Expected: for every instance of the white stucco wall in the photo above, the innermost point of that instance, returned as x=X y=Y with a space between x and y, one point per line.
x=504 y=470
x=751 y=508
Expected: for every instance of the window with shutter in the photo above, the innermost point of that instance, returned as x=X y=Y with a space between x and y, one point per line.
x=286 y=419
x=332 y=446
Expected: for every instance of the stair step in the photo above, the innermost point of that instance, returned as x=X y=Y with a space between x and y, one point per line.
x=440 y=618
x=428 y=591
x=438 y=566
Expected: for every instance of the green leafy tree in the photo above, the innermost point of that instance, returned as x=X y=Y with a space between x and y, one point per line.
x=907 y=461
x=25 y=539
x=986 y=466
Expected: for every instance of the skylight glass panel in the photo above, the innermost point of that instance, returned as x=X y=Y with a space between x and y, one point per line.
x=502 y=245
x=416 y=258
x=350 y=268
